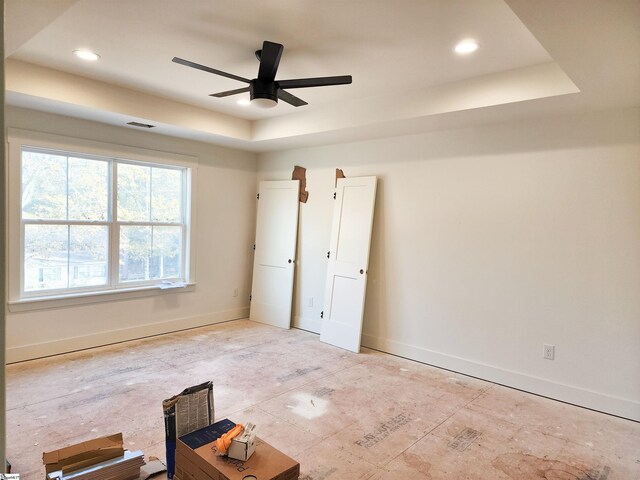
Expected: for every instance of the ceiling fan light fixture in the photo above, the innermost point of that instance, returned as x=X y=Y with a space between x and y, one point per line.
x=466 y=46
x=264 y=102
x=87 y=55
x=263 y=93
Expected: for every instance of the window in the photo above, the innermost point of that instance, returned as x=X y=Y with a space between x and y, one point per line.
x=97 y=223
x=65 y=220
x=149 y=211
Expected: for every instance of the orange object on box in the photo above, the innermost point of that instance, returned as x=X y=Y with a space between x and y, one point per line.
x=222 y=444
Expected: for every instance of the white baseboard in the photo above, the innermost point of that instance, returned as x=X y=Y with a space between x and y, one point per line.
x=45 y=349
x=566 y=393
x=306 y=323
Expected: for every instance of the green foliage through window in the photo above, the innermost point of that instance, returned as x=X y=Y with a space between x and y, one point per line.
x=80 y=213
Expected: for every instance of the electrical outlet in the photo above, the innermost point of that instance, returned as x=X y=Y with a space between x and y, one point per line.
x=235 y=292
x=310 y=302
x=549 y=351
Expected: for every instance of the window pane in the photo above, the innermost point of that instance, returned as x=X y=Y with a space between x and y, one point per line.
x=88 y=189
x=166 y=195
x=44 y=186
x=88 y=255
x=166 y=252
x=45 y=257
x=133 y=192
x=135 y=251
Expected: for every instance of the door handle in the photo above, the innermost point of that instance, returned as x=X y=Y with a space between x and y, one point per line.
x=361 y=271
x=289 y=260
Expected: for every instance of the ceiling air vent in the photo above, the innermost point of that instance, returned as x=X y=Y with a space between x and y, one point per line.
x=141 y=125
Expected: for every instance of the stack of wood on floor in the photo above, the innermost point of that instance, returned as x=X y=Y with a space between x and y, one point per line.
x=102 y=458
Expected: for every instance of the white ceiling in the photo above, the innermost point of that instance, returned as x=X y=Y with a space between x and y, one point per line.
x=535 y=58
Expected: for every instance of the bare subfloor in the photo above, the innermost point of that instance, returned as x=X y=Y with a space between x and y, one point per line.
x=342 y=416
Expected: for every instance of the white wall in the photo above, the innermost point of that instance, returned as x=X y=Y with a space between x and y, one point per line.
x=225 y=223
x=489 y=242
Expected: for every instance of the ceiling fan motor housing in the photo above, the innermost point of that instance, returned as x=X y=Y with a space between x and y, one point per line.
x=261 y=89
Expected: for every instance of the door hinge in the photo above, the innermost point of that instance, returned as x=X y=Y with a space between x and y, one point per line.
x=257 y=196
x=334 y=195
x=322 y=314
x=254 y=247
x=328 y=254
x=249 y=297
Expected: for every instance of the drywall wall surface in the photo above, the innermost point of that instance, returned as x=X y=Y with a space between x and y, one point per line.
x=489 y=243
x=224 y=228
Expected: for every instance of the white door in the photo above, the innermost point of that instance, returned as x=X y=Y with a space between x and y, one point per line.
x=275 y=249
x=348 y=262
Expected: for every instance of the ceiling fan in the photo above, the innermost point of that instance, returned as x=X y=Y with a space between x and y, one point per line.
x=266 y=90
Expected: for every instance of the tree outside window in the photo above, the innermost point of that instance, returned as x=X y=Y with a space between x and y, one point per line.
x=79 y=212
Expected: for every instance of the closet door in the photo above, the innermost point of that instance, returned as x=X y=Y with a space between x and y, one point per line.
x=275 y=249
x=348 y=262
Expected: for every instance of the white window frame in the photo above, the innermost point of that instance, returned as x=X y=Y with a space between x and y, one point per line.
x=19 y=300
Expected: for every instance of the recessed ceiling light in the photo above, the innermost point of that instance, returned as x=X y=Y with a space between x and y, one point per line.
x=466 y=46
x=244 y=101
x=87 y=55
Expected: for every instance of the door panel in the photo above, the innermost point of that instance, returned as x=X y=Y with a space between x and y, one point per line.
x=348 y=262
x=353 y=221
x=274 y=261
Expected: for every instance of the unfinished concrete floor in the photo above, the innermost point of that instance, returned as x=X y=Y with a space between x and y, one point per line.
x=342 y=416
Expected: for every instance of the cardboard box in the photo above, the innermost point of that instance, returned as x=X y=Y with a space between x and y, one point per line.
x=99 y=458
x=186 y=470
x=84 y=454
x=196 y=459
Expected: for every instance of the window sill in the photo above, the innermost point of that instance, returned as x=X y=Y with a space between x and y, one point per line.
x=84 y=298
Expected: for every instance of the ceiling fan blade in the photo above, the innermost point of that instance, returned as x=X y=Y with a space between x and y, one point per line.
x=229 y=92
x=269 y=60
x=290 y=99
x=209 y=69
x=315 y=82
